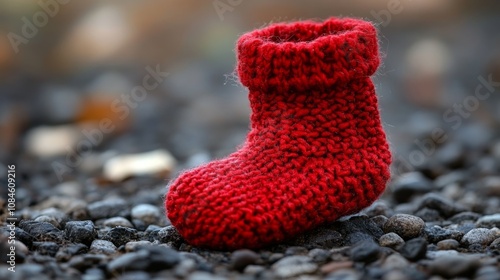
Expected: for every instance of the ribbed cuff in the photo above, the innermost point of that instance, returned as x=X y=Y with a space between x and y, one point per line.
x=307 y=55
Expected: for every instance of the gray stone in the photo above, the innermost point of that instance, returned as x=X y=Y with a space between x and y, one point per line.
x=117 y=222
x=254 y=269
x=482 y=236
x=108 y=208
x=454 y=266
x=321 y=237
x=357 y=229
x=293 y=266
x=149 y=258
x=80 y=232
x=366 y=251
x=489 y=221
x=120 y=235
x=241 y=258
x=448 y=244
x=406 y=226
x=134 y=245
x=168 y=235
x=100 y=246
x=414 y=249
x=435 y=234
x=47 y=219
x=391 y=240
x=46 y=248
x=380 y=220
x=147 y=213
x=409 y=184
x=42 y=231
x=202 y=275
x=444 y=206
x=319 y=255
x=465 y=217
x=66 y=253
x=395 y=261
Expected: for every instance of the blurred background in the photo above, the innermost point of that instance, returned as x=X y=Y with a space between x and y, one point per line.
x=73 y=74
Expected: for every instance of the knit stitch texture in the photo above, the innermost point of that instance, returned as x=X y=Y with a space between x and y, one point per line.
x=316 y=150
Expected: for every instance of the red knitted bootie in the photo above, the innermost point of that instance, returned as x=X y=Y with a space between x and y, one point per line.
x=316 y=150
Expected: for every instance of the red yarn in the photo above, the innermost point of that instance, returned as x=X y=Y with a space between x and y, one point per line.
x=316 y=150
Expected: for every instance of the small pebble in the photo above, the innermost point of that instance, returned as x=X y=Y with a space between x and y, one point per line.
x=406 y=226
x=414 y=249
x=80 y=232
x=242 y=258
x=482 y=236
x=410 y=184
x=294 y=266
x=158 y=162
x=395 y=261
x=46 y=248
x=117 y=222
x=435 y=234
x=319 y=255
x=147 y=213
x=366 y=251
x=380 y=220
x=465 y=217
x=42 y=231
x=134 y=245
x=106 y=247
x=448 y=244
x=446 y=207
x=48 y=219
x=489 y=221
x=108 y=208
x=334 y=266
x=120 y=235
x=254 y=269
x=391 y=240
x=454 y=266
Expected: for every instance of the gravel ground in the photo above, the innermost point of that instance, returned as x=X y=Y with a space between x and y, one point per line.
x=441 y=222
